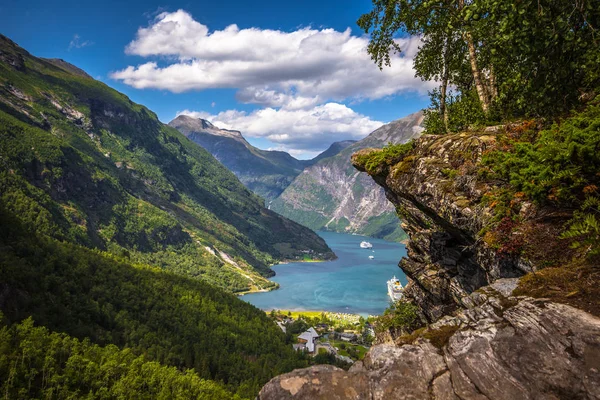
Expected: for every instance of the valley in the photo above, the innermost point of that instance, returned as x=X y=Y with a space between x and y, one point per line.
x=352 y=200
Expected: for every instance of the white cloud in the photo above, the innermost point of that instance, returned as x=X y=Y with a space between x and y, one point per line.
x=77 y=43
x=296 y=131
x=294 y=70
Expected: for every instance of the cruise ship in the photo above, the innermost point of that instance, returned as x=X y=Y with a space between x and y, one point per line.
x=395 y=289
x=365 y=245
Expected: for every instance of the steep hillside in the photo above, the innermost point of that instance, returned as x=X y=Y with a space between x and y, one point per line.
x=119 y=321
x=83 y=163
x=332 y=195
x=266 y=173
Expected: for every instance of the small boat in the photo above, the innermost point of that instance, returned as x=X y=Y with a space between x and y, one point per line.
x=371 y=257
x=365 y=245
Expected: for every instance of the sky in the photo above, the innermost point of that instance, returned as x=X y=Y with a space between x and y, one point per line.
x=291 y=76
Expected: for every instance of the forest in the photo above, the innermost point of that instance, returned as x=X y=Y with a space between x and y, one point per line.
x=106 y=300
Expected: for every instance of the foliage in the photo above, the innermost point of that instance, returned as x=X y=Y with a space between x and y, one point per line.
x=503 y=60
x=35 y=363
x=585 y=226
x=385 y=226
x=324 y=357
x=84 y=164
x=390 y=154
x=400 y=317
x=168 y=318
x=556 y=167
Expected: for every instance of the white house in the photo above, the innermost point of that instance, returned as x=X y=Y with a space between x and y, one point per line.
x=309 y=338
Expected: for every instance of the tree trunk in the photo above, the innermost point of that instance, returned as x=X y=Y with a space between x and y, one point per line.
x=445 y=73
x=481 y=92
x=493 y=87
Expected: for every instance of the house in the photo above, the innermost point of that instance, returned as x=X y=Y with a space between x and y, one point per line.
x=308 y=339
x=348 y=337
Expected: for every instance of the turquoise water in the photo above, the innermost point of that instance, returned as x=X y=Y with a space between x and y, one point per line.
x=353 y=283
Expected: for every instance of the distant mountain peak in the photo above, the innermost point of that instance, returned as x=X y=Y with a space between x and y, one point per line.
x=332 y=195
x=189 y=125
x=333 y=150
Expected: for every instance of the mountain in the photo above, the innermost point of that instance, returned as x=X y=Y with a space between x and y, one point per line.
x=65 y=309
x=333 y=150
x=265 y=172
x=121 y=242
x=84 y=164
x=332 y=195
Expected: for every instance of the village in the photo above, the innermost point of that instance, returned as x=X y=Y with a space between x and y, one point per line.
x=345 y=337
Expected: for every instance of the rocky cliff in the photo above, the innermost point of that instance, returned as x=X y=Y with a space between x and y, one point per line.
x=485 y=338
x=442 y=212
x=333 y=195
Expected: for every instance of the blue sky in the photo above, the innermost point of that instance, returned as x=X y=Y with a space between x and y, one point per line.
x=289 y=75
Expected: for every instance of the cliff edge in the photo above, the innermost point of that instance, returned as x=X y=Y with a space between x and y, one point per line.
x=487 y=337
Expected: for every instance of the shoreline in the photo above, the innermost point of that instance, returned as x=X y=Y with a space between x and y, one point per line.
x=316 y=313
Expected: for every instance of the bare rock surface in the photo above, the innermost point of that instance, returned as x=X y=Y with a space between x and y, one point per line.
x=503 y=349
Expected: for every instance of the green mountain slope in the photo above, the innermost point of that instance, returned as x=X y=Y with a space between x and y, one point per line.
x=50 y=365
x=265 y=172
x=83 y=163
x=332 y=195
x=167 y=318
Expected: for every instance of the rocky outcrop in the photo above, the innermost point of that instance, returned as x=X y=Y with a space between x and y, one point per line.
x=482 y=342
x=438 y=193
x=333 y=195
x=500 y=348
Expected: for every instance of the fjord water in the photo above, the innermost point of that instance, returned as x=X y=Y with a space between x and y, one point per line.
x=353 y=283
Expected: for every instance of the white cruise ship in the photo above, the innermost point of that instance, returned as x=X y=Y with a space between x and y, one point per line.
x=365 y=245
x=395 y=289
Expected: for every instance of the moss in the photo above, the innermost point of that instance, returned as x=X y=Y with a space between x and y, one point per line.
x=437 y=337
x=576 y=284
x=440 y=337
x=376 y=161
x=450 y=173
x=410 y=338
x=404 y=166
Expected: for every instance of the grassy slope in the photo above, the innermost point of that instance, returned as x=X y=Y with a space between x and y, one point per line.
x=83 y=163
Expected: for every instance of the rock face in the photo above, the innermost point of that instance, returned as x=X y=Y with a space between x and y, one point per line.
x=443 y=214
x=266 y=173
x=501 y=348
x=332 y=195
x=482 y=342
